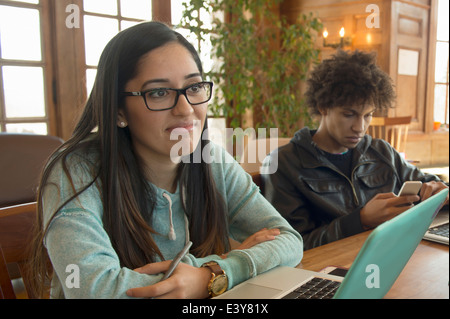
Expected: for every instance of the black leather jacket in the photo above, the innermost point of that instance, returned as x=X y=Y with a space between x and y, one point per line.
x=319 y=201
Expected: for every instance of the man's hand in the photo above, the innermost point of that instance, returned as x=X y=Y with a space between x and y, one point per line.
x=431 y=188
x=384 y=207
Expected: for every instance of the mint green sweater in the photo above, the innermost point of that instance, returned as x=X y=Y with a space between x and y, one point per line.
x=87 y=266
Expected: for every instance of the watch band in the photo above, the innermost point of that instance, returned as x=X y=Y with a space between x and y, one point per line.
x=219 y=280
x=215 y=268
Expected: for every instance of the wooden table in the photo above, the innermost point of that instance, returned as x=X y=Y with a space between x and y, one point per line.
x=425 y=276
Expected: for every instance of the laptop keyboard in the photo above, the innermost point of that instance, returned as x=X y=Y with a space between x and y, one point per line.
x=441 y=230
x=316 y=288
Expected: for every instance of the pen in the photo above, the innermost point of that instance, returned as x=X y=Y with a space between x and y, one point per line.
x=177 y=260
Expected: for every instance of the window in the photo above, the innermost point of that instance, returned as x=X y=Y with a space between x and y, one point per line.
x=216 y=124
x=103 y=19
x=23 y=71
x=204 y=47
x=441 y=77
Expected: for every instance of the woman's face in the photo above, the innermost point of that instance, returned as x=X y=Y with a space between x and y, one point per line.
x=170 y=66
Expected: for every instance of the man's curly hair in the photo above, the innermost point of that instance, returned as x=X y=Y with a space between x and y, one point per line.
x=349 y=79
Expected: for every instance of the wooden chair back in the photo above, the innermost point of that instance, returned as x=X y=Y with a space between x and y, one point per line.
x=22 y=159
x=394 y=130
x=16 y=226
x=257 y=179
x=6 y=288
x=256 y=150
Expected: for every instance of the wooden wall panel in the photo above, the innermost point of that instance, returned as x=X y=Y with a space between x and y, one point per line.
x=410 y=32
x=437 y=147
x=430 y=150
x=418 y=149
x=70 y=77
x=410 y=26
x=351 y=15
x=407 y=95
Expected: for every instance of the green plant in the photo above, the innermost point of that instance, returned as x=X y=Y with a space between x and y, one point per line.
x=263 y=59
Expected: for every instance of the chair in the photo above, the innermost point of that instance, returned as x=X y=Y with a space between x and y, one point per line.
x=22 y=159
x=257 y=179
x=16 y=226
x=256 y=150
x=6 y=288
x=394 y=130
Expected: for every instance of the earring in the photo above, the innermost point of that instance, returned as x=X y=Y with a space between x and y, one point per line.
x=122 y=124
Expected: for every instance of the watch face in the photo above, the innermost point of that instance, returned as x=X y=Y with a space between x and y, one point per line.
x=219 y=285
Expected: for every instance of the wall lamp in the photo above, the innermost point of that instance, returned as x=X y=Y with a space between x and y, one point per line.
x=344 y=41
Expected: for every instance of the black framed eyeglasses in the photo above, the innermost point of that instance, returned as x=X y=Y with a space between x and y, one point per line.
x=161 y=99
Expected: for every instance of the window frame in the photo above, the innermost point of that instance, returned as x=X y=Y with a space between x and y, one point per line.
x=45 y=63
x=446 y=83
x=431 y=65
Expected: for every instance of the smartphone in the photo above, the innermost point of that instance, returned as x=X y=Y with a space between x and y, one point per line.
x=410 y=188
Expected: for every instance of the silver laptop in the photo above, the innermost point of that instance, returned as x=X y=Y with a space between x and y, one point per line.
x=373 y=272
x=438 y=231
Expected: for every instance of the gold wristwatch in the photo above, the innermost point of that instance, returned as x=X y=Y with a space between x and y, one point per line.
x=219 y=280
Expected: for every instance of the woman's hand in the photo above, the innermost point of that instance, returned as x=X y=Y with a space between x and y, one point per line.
x=186 y=282
x=257 y=238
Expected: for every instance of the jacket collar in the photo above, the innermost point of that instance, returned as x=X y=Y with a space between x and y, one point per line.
x=310 y=157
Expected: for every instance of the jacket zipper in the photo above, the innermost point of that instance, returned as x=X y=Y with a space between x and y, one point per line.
x=355 y=196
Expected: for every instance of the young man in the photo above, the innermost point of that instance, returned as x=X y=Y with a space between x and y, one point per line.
x=336 y=181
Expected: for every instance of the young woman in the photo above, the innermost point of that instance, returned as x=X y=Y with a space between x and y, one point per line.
x=116 y=205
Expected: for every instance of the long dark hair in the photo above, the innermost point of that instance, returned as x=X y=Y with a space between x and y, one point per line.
x=125 y=193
